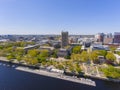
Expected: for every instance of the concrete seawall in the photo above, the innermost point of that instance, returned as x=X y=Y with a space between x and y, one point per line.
x=58 y=76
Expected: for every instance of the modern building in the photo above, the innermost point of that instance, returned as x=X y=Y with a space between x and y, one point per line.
x=108 y=40
x=99 y=37
x=117 y=37
x=99 y=47
x=29 y=47
x=64 y=39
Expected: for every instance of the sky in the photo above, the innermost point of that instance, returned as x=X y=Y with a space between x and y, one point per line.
x=54 y=16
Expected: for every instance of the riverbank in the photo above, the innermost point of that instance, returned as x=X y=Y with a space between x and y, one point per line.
x=48 y=73
x=58 y=75
x=3 y=59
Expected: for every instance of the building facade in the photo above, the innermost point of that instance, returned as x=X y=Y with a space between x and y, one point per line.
x=64 y=39
x=117 y=37
x=99 y=37
x=108 y=40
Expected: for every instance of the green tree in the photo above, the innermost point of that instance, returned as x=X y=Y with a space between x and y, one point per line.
x=54 y=54
x=76 y=49
x=11 y=56
x=18 y=58
x=93 y=56
x=60 y=66
x=113 y=48
x=2 y=53
x=71 y=68
x=33 y=53
x=84 y=56
x=78 y=68
x=34 y=61
x=44 y=54
x=67 y=57
x=76 y=57
x=20 y=51
x=41 y=59
x=111 y=72
x=1 y=47
x=9 y=50
x=118 y=52
x=110 y=56
x=102 y=52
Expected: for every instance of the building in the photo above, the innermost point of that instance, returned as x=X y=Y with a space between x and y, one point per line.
x=29 y=47
x=99 y=37
x=108 y=35
x=62 y=53
x=64 y=39
x=117 y=37
x=99 y=47
x=108 y=40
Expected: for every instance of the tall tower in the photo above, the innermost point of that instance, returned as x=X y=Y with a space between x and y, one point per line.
x=64 y=39
x=117 y=37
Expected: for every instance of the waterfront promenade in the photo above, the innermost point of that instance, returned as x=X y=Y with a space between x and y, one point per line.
x=45 y=72
x=59 y=76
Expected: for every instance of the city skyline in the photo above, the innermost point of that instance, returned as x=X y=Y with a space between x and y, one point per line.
x=54 y=16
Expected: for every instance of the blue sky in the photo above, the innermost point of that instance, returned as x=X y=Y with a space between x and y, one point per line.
x=54 y=16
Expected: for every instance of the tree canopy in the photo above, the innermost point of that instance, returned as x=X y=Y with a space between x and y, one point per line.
x=102 y=52
x=110 y=56
x=76 y=49
x=33 y=53
x=94 y=56
x=111 y=72
x=84 y=56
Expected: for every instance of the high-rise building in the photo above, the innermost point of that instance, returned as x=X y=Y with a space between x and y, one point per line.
x=64 y=39
x=117 y=37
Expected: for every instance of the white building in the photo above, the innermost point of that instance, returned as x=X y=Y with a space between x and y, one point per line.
x=99 y=47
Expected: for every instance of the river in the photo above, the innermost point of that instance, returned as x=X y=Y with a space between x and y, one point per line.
x=12 y=79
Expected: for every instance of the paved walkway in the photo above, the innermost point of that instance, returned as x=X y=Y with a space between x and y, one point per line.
x=58 y=75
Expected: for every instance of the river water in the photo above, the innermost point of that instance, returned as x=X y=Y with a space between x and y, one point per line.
x=12 y=79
